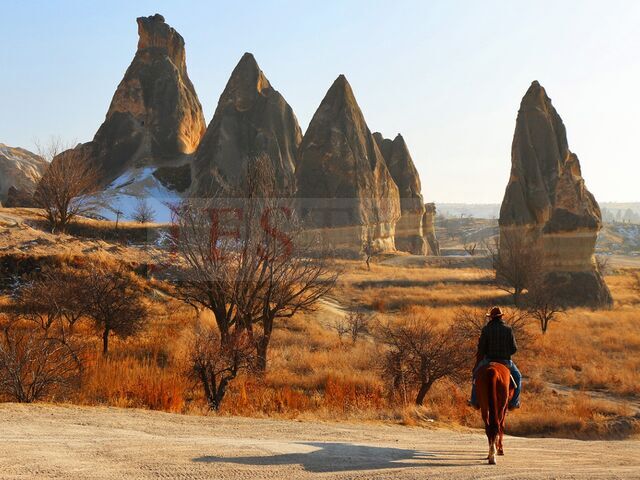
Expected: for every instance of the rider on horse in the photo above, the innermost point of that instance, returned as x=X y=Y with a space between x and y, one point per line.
x=497 y=344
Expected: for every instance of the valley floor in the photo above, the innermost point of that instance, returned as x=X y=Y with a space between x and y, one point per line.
x=46 y=441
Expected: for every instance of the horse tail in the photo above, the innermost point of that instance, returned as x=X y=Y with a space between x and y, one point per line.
x=494 y=418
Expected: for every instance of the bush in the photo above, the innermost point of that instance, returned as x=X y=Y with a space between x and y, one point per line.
x=34 y=363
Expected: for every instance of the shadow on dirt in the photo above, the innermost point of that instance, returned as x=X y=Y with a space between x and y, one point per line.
x=322 y=457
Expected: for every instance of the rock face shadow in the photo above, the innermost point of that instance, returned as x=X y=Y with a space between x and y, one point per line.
x=336 y=457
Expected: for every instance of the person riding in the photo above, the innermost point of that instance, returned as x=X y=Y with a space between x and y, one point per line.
x=497 y=344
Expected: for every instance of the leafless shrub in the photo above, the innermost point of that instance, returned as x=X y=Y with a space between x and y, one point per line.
x=471 y=248
x=368 y=248
x=113 y=300
x=248 y=260
x=602 y=264
x=215 y=363
x=143 y=212
x=63 y=190
x=544 y=305
x=354 y=325
x=34 y=363
x=517 y=261
x=417 y=355
x=52 y=298
x=469 y=322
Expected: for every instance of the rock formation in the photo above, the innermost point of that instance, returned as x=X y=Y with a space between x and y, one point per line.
x=429 y=229
x=547 y=198
x=344 y=186
x=409 y=233
x=155 y=116
x=251 y=118
x=20 y=171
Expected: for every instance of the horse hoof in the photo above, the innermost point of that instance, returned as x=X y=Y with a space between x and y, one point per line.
x=492 y=461
x=501 y=452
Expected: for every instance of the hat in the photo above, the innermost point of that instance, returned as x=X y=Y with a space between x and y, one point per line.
x=495 y=312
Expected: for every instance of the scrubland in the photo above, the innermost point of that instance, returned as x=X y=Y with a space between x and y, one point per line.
x=581 y=379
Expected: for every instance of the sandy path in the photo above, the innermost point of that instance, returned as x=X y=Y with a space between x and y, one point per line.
x=42 y=441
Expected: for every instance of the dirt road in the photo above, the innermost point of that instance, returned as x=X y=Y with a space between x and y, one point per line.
x=43 y=441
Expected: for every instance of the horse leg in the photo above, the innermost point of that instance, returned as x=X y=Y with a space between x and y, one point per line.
x=501 y=434
x=492 y=453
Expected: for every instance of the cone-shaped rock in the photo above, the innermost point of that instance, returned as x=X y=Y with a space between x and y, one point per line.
x=20 y=171
x=547 y=197
x=409 y=233
x=155 y=115
x=251 y=119
x=344 y=185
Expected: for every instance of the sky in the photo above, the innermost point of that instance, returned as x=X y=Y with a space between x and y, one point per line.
x=449 y=75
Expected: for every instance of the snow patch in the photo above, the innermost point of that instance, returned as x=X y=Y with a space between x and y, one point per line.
x=124 y=193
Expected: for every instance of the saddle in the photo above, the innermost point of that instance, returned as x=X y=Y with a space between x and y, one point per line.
x=512 y=382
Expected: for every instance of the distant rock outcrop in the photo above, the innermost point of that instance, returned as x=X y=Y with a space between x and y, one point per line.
x=409 y=233
x=547 y=198
x=20 y=171
x=251 y=118
x=344 y=186
x=429 y=229
x=154 y=116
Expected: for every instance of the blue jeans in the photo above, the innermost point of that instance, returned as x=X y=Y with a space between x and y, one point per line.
x=515 y=373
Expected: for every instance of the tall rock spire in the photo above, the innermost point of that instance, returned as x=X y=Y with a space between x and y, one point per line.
x=546 y=197
x=409 y=230
x=155 y=115
x=344 y=185
x=251 y=118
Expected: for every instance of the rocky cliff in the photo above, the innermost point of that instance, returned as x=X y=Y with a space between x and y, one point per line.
x=546 y=197
x=20 y=171
x=155 y=116
x=409 y=233
x=344 y=186
x=251 y=118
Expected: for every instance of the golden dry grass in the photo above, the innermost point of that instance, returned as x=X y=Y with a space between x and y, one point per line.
x=312 y=374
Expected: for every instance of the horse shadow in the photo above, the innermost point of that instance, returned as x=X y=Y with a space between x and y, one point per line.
x=321 y=457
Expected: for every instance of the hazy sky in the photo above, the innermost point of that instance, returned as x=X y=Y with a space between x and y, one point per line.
x=448 y=75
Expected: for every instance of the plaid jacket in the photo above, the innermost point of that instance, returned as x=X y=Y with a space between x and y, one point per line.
x=497 y=341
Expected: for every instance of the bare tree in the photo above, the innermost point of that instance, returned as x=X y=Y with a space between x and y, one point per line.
x=518 y=262
x=63 y=191
x=144 y=212
x=112 y=299
x=214 y=364
x=34 y=363
x=543 y=304
x=354 y=324
x=469 y=322
x=471 y=248
x=368 y=247
x=358 y=323
x=418 y=355
x=602 y=264
x=248 y=259
x=52 y=298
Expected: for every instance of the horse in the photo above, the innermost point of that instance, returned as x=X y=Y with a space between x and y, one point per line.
x=494 y=391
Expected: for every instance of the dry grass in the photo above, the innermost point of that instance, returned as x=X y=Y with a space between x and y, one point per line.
x=312 y=374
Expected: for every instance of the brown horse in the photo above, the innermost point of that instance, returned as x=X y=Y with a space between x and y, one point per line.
x=493 y=387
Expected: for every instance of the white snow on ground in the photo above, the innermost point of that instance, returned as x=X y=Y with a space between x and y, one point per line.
x=127 y=190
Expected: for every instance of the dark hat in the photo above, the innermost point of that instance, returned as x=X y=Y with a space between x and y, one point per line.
x=495 y=312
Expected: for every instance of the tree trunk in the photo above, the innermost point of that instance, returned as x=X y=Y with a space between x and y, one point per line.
x=516 y=297
x=261 y=350
x=105 y=342
x=424 y=388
